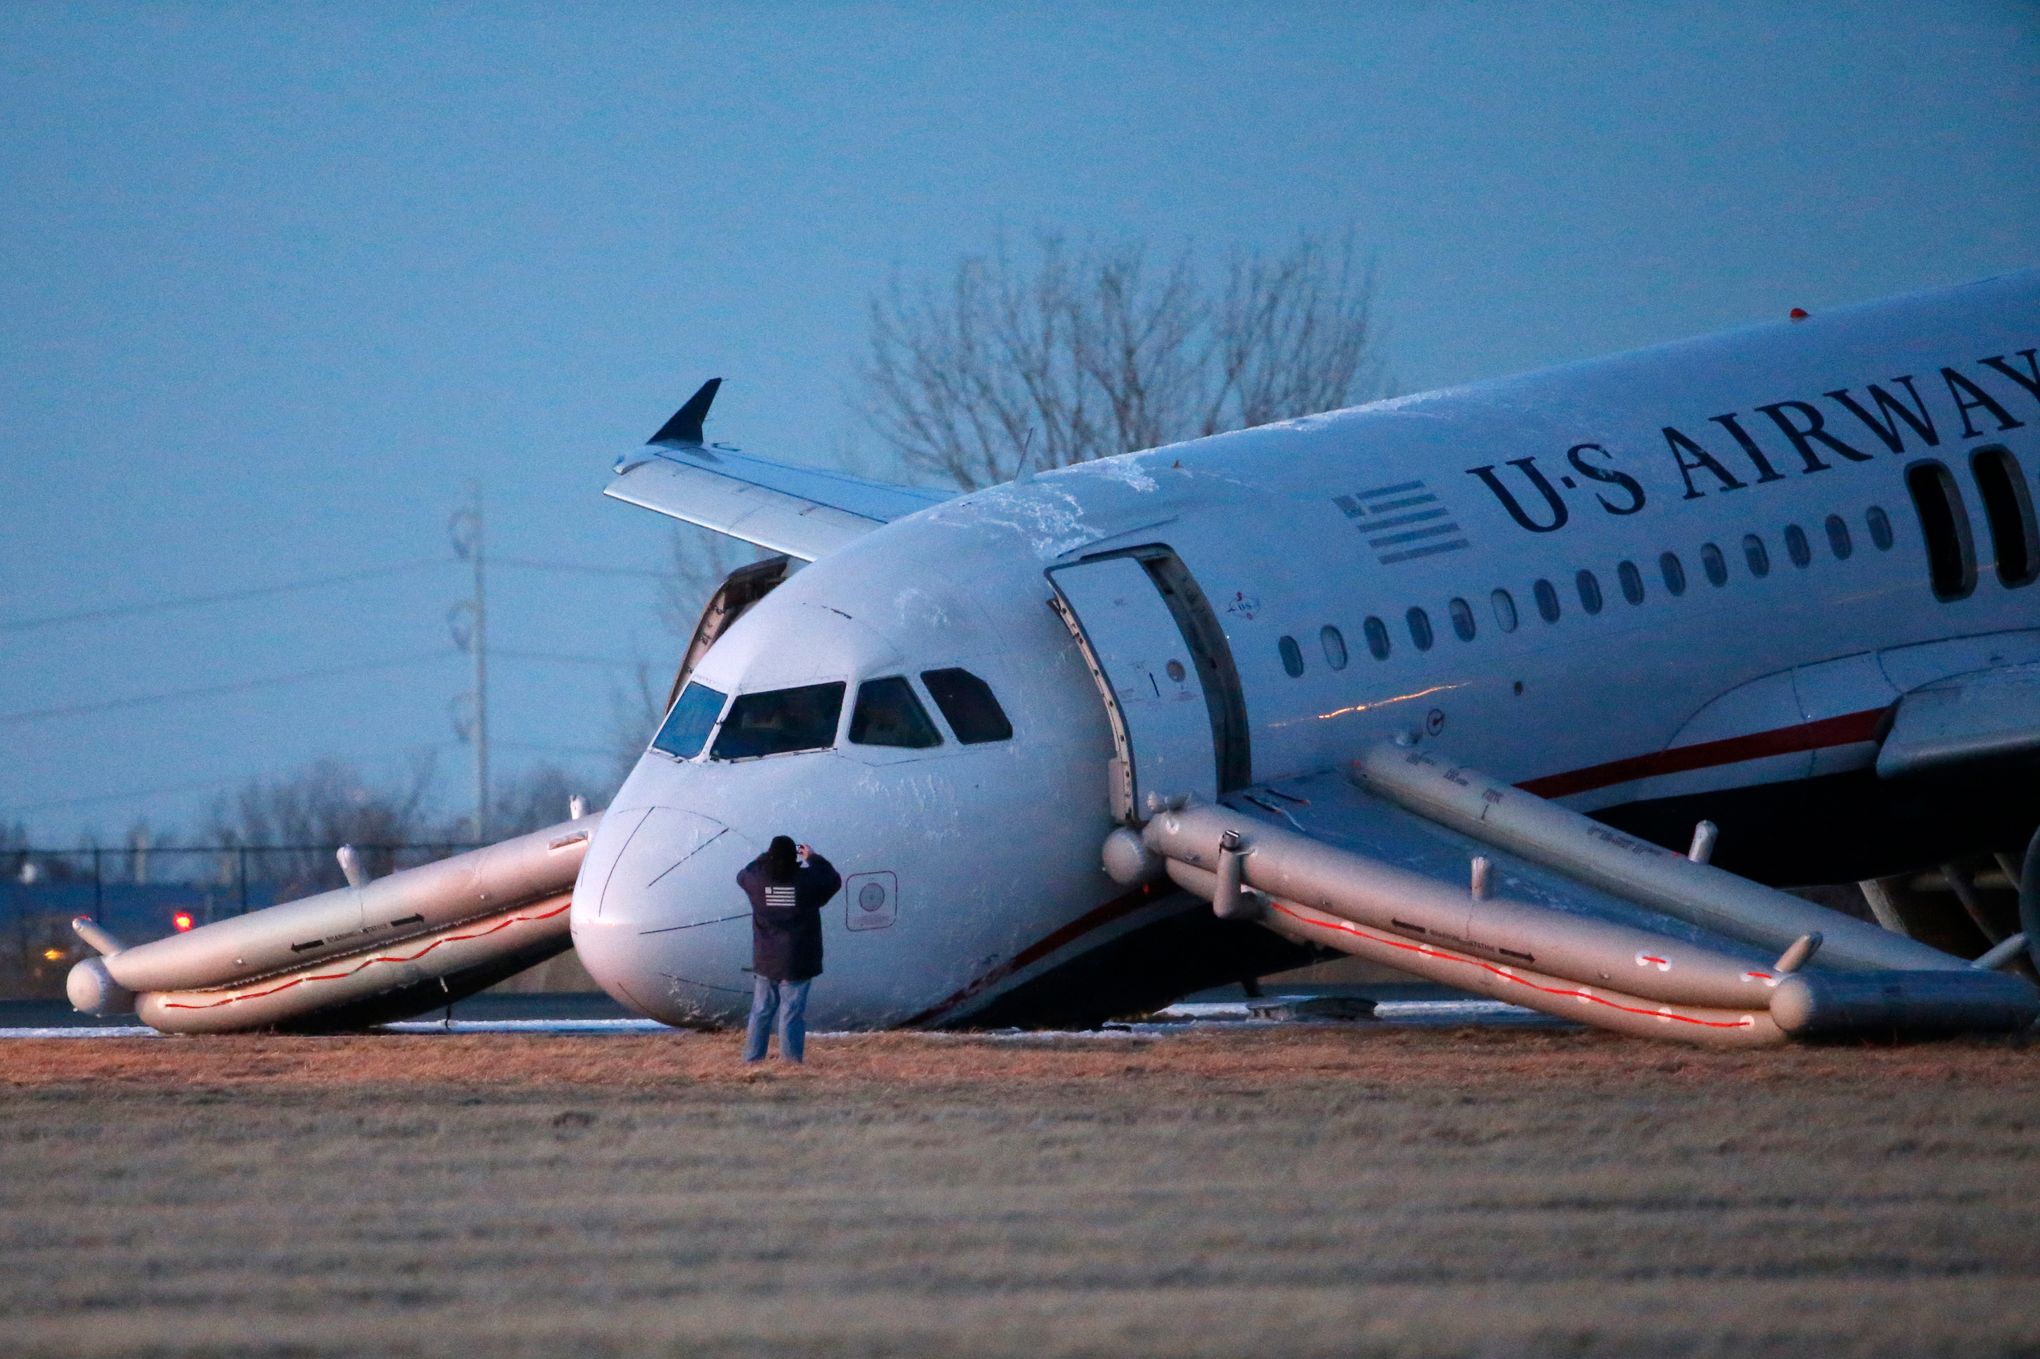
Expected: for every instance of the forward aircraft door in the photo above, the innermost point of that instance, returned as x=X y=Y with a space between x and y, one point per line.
x=1165 y=673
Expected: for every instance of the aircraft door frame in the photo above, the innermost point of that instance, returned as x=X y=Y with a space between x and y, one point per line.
x=741 y=589
x=1154 y=648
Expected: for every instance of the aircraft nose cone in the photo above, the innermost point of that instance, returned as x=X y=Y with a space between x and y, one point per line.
x=658 y=918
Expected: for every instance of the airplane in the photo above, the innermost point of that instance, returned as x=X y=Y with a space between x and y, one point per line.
x=1723 y=580
x=1538 y=687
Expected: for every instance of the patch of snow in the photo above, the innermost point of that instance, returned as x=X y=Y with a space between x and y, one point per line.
x=429 y=1026
x=1052 y=521
x=1127 y=469
x=84 y=1031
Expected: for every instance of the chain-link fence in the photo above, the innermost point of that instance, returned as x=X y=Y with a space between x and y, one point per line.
x=139 y=894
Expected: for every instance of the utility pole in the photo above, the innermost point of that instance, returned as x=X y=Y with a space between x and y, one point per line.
x=469 y=621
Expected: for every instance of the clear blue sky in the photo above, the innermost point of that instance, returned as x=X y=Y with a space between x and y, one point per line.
x=276 y=282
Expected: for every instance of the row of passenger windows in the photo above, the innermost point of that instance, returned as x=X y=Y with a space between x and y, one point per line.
x=781 y=721
x=1944 y=521
x=1629 y=581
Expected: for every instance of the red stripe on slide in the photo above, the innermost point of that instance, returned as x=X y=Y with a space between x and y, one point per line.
x=1848 y=729
x=1579 y=993
x=365 y=963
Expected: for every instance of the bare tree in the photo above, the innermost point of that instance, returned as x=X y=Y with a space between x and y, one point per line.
x=295 y=820
x=535 y=799
x=634 y=715
x=1079 y=353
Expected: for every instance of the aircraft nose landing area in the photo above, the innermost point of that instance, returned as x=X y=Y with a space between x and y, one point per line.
x=658 y=920
x=1298 y=1190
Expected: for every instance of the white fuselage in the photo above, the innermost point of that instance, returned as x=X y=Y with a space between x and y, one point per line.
x=1402 y=526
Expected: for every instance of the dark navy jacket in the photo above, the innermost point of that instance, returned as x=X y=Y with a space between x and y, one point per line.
x=786 y=925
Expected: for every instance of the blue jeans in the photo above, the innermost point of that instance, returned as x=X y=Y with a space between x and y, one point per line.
x=786 y=999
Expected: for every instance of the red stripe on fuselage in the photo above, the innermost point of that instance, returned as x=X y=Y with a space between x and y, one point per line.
x=1075 y=929
x=1848 y=729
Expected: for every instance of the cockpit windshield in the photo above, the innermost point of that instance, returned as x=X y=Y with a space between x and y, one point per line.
x=688 y=725
x=888 y=714
x=779 y=721
x=974 y=715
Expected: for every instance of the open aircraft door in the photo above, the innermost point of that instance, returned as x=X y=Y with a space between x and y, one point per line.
x=1166 y=674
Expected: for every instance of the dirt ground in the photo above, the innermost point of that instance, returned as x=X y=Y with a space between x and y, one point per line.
x=1351 y=1190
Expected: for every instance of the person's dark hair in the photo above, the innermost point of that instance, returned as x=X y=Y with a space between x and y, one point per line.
x=780 y=858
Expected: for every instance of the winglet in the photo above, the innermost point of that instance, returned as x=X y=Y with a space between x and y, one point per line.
x=685 y=426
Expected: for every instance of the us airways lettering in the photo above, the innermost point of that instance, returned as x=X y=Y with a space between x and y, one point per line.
x=1883 y=418
x=1771 y=442
x=1590 y=461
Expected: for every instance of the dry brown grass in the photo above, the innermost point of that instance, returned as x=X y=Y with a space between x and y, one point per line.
x=1352 y=1190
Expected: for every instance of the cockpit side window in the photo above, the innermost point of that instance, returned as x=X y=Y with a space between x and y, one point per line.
x=780 y=721
x=688 y=725
x=974 y=715
x=888 y=714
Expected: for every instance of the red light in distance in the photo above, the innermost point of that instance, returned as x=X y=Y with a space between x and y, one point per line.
x=183 y=921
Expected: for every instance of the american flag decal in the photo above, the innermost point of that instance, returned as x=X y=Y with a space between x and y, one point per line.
x=1402 y=521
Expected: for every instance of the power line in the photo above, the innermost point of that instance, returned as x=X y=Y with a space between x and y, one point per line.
x=548 y=748
x=582 y=568
x=167 y=790
x=135 y=796
x=51 y=620
x=142 y=607
x=201 y=785
x=560 y=658
x=212 y=690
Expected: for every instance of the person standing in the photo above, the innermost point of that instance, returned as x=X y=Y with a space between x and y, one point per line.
x=788 y=885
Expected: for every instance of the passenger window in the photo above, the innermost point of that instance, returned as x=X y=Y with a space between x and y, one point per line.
x=688 y=725
x=1420 y=629
x=1505 y=610
x=1462 y=619
x=1590 y=591
x=1292 y=656
x=888 y=714
x=1547 y=600
x=780 y=721
x=1377 y=637
x=1757 y=555
x=974 y=715
x=1838 y=537
x=1334 y=644
x=1951 y=556
x=2008 y=510
x=1880 y=527
x=1632 y=582
x=1796 y=546
x=1673 y=572
x=1713 y=564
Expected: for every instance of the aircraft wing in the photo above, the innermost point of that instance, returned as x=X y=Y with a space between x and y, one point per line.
x=801 y=511
x=1982 y=715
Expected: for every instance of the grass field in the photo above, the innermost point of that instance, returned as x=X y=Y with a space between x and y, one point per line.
x=1350 y=1190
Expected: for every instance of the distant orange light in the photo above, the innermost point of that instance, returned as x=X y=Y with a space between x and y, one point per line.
x=53 y=955
x=183 y=921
